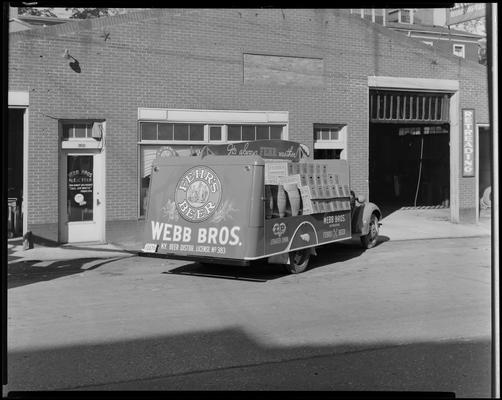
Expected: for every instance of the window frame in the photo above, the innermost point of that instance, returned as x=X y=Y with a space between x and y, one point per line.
x=411 y=13
x=462 y=46
x=88 y=130
x=334 y=144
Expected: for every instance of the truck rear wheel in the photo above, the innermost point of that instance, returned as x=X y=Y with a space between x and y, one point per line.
x=298 y=261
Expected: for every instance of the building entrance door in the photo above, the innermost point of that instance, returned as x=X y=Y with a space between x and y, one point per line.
x=81 y=197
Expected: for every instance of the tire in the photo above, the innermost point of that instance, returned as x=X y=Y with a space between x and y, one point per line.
x=368 y=241
x=298 y=261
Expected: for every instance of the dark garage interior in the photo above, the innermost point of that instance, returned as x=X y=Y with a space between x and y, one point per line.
x=409 y=165
x=409 y=152
x=15 y=171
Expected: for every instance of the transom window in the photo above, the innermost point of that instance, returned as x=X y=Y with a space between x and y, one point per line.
x=173 y=132
x=253 y=132
x=77 y=131
x=326 y=133
x=180 y=133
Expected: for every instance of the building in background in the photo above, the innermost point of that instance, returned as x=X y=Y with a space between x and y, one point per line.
x=459 y=30
x=25 y=22
x=469 y=17
x=91 y=102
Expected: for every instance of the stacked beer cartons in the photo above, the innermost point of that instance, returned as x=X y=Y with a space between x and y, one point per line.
x=306 y=188
x=329 y=193
x=322 y=188
x=340 y=192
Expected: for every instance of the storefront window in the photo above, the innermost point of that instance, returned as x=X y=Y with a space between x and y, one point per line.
x=166 y=131
x=248 y=132
x=182 y=135
x=180 y=132
x=147 y=155
x=196 y=132
x=148 y=131
x=262 y=132
x=234 y=132
x=215 y=133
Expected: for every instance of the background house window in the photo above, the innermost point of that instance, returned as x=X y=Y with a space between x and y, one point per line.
x=459 y=50
x=406 y=16
x=401 y=15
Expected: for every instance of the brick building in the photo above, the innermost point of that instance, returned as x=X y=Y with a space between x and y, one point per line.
x=90 y=102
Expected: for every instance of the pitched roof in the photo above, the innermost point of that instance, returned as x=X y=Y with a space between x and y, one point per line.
x=432 y=29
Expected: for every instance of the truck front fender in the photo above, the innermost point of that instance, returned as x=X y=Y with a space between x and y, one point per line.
x=362 y=217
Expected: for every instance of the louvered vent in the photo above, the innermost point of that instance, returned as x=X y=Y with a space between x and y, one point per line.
x=402 y=107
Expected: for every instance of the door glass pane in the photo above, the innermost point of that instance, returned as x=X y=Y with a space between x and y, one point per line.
x=165 y=131
x=196 y=132
x=80 y=185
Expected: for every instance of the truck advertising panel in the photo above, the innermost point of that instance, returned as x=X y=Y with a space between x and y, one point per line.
x=291 y=233
x=202 y=208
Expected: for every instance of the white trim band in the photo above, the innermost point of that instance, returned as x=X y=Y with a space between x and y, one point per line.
x=19 y=99
x=391 y=82
x=213 y=116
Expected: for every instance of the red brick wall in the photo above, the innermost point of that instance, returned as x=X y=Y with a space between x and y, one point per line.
x=194 y=59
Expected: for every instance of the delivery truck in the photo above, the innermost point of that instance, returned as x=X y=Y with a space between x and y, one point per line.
x=240 y=202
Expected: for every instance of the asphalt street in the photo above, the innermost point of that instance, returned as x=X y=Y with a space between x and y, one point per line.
x=407 y=315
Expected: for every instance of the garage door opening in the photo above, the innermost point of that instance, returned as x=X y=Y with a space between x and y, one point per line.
x=409 y=153
x=485 y=182
x=15 y=172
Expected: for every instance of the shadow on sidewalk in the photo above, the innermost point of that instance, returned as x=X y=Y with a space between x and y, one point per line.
x=23 y=273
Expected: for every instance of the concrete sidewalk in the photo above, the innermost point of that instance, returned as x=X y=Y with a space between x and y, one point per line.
x=399 y=225
x=416 y=224
x=64 y=252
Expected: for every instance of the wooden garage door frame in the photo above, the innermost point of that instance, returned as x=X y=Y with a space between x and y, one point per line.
x=434 y=85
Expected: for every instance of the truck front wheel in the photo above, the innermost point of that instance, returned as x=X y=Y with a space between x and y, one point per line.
x=368 y=241
x=298 y=261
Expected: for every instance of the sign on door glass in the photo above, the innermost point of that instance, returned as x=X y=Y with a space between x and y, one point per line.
x=80 y=188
